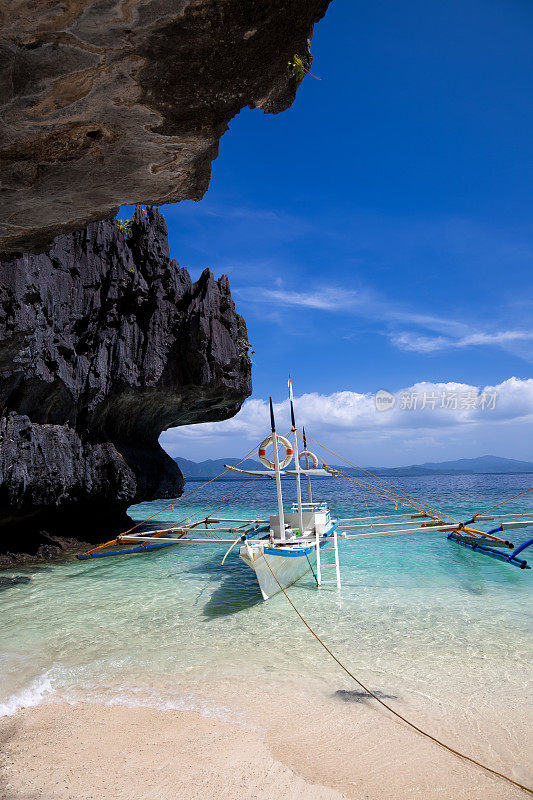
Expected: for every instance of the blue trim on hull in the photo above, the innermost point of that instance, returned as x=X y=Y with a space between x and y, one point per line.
x=302 y=551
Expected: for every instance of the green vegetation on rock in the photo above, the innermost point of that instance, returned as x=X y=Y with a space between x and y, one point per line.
x=124 y=226
x=297 y=66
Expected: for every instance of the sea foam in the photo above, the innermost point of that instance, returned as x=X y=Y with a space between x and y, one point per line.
x=37 y=692
x=54 y=685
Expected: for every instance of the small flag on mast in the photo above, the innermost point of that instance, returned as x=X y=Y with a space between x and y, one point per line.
x=291 y=396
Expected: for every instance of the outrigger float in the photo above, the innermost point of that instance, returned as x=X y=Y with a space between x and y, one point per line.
x=289 y=544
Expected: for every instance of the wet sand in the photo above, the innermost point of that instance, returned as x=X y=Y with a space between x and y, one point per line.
x=59 y=752
x=292 y=747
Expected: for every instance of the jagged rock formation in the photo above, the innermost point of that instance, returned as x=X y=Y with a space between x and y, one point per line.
x=106 y=103
x=104 y=343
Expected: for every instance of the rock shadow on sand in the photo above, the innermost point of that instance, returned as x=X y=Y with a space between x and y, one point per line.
x=354 y=696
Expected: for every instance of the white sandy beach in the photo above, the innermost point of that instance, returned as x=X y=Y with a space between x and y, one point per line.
x=61 y=751
x=88 y=752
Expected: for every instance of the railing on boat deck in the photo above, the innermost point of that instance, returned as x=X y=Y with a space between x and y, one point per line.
x=319 y=506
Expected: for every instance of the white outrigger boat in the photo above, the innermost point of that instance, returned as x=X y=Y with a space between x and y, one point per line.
x=287 y=545
x=285 y=553
x=280 y=550
x=279 y=561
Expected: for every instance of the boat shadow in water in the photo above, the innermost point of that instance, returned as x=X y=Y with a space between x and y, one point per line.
x=8 y=581
x=237 y=590
x=477 y=575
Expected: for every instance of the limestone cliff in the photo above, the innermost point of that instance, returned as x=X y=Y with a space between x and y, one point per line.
x=106 y=102
x=104 y=343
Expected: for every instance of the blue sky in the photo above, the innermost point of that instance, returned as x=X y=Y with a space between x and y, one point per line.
x=380 y=232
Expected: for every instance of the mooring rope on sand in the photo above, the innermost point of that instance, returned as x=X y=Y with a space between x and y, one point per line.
x=392 y=710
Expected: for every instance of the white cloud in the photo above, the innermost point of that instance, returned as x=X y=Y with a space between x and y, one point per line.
x=420 y=344
x=444 y=332
x=325 y=298
x=496 y=338
x=443 y=413
x=429 y=344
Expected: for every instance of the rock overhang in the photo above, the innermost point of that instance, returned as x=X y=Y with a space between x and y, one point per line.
x=106 y=103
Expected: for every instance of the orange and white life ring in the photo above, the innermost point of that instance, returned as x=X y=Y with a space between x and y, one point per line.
x=308 y=454
x=270 y=440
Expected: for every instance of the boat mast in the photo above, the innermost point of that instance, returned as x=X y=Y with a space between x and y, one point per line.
x=307 y=467
x=296 y=463
x=278 y=478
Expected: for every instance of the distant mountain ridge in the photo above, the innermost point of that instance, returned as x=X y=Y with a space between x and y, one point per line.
x=482 y=464
x=194 y=470
x=204 y=470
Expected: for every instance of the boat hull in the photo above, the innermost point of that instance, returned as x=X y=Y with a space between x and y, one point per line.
x=275 y=568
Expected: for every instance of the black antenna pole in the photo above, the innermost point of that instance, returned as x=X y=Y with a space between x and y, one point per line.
x=292 y=417
x=305 y=440
x=272 y=423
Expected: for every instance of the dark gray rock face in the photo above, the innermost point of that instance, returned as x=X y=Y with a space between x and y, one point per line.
x=105 y=102
x=104 y=343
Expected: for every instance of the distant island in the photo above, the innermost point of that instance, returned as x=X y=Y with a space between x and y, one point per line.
x=204 y=470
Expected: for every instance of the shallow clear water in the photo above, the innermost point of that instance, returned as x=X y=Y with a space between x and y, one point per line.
x=415 y=615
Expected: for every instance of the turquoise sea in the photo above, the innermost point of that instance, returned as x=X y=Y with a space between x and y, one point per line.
x=418 y=618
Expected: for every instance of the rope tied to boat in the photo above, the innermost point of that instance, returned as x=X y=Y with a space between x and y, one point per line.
x=171 y=505
x=381 y=486
x=392 y=710
x=498 y=505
